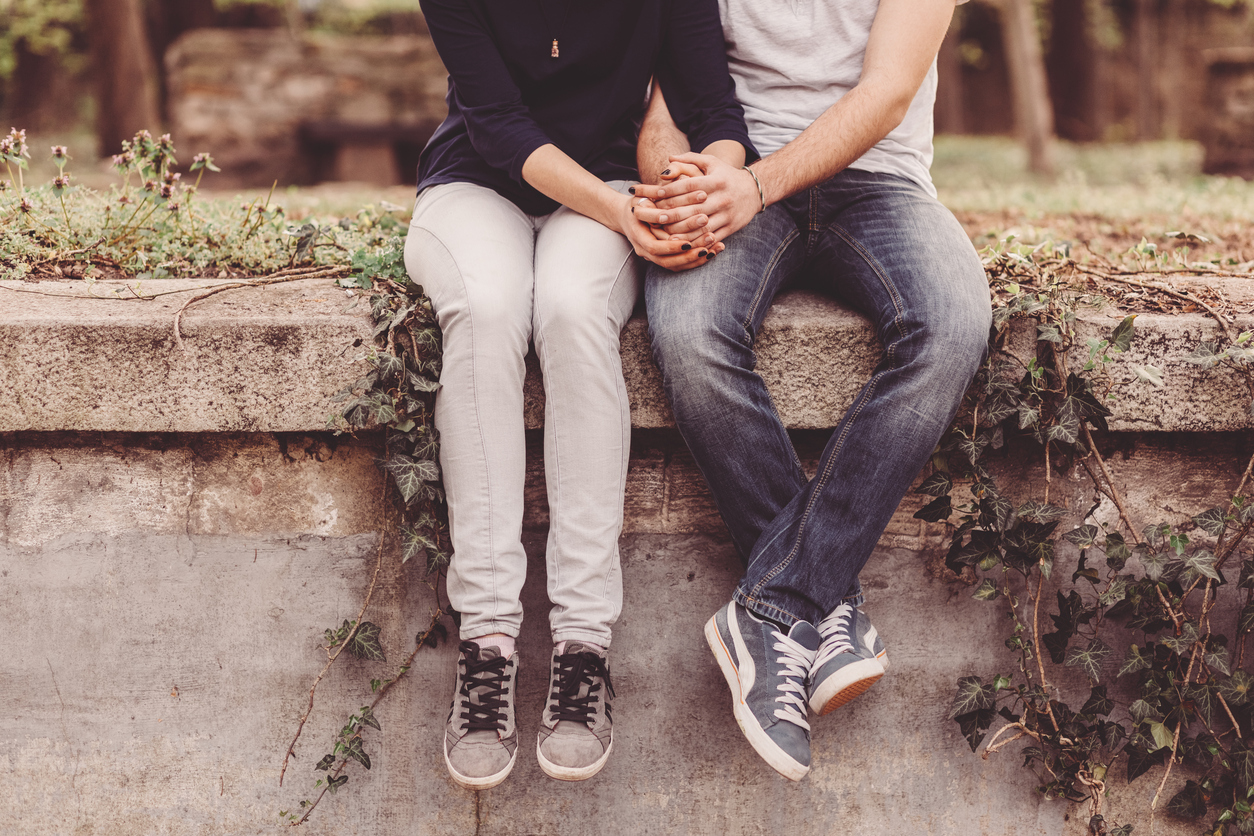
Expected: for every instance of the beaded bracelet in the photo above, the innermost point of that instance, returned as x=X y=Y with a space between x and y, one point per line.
x=761 y=194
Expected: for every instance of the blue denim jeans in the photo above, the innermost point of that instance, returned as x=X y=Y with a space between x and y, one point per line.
x=884 y=246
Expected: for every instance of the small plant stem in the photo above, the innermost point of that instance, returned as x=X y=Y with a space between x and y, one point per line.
x=66 y=213
x=1245 y=477
x=1048 y=474
x=374 y=580
x=1171 y=762
x=1114 y=492
x=404 y=671
x=1235 y=725
x=1179 y=294
x=994 y=746
x=261 y=213
x=1036 y=647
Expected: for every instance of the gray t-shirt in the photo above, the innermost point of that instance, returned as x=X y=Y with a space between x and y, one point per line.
x=793 y=59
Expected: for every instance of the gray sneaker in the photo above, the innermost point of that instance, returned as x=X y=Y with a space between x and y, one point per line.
x=851 y=659
x=577 y=728
x=766 y=671
x=481 y=738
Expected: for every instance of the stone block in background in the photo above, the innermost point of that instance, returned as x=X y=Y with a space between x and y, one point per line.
x=259 y=100
x=1229 y=138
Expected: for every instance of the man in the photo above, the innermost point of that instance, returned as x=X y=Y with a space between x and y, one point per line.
x=838 y=96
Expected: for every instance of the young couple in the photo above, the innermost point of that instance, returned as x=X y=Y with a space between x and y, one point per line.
x=530 y=225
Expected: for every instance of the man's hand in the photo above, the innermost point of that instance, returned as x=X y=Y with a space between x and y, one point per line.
x=655 y=245
x=730 y=201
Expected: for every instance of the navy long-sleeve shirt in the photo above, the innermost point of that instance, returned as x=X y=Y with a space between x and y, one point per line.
x=507 y=95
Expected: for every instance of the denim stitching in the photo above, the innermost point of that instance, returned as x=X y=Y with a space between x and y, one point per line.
x=890 y=355
x=618 y=391
x=751 y=312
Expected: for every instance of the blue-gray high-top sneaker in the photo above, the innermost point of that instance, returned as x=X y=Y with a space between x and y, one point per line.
x=851 y=659
x=766 y=671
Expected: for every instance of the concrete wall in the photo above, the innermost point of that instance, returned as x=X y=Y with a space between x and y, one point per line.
x=165 y=593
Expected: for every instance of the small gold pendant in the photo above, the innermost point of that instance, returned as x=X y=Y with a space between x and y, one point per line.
x=553 y=52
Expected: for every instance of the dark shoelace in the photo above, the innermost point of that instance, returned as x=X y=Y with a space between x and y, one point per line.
x=488 y=678
x=575 y=670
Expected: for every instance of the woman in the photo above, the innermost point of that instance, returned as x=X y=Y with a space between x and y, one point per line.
x=523 y=230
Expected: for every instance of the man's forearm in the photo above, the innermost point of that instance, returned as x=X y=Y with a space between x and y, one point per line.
x=659 y=139
x=903 y=43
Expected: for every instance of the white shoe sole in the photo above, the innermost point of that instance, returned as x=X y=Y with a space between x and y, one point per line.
x=841 y=687
x=572 y=773
x=485 y=783
x=767 y=749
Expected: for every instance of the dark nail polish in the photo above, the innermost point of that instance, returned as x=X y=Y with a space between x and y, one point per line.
x=664 y=173
x=701 y=254
x=633 y=210
x=686 y=247
x=710 y=257
x=631 y=189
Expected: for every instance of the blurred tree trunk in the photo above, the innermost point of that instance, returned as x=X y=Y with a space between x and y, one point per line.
x=167 y=20
x=1030 y=89
x=1170 y=89
x=126 y=99
x=28 y=103
x=1070 y=63
x=948 y=114
x=1145 y=44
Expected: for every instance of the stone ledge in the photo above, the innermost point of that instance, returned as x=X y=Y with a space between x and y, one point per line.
x=269 y=359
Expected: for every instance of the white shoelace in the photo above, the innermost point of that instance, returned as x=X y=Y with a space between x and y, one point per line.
x=836 y=638
x=796 y=661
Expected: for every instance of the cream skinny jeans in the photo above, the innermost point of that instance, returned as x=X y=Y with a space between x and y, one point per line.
x=499 y=278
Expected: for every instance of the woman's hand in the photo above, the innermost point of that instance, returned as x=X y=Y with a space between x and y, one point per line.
x=657 y=245
x=729 y=196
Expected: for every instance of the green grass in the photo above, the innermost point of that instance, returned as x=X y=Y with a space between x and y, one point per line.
x=1123 y=181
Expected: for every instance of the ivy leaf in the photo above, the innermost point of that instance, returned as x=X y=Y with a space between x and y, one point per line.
x=973 y=448
x=334 y=784
x=1154 y=563
x=1114 y=593
x=1084 y=536
x=1213 y=522
x=1189 y=803
x=938 y=510
x=1090 y=658
x=1242 y=764
x=1246 y=621
x=1041 y=512
x=365 y=642
x=995 y=510
x=1216 y=658
x=974 y=725
x=422 y=383
x=1082 y=570
x=1161 y=734
x=1247 y=575
x=973 y=695
x=1200 y=563
x=1140 y=711
x=410 y=474
x=986 y=591
x=368 y=719
x=984 y=545
x=1121 y=830
x=1201 y=697
x=1056 y=644
x=415 y=541
x=1136 y=661
x=1028 y=417
x=1117 y=551
x=1149 y=374
x=1098 y=704
x=1141 y=761
x=326 y=763
x=1048 y=333
x=938 y=484
x=1205 y=355
x=1067 y=428
x=354 y=750
x=1121 y=337
x=1181 y=643
x=1236 y=688
x=1201 y=749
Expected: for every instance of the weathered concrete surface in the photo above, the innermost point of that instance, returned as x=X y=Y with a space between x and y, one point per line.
x=293 y=344
x=165 y=595
x=258 y=359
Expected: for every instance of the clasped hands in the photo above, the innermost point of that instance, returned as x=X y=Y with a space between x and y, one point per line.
x=681 y=222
